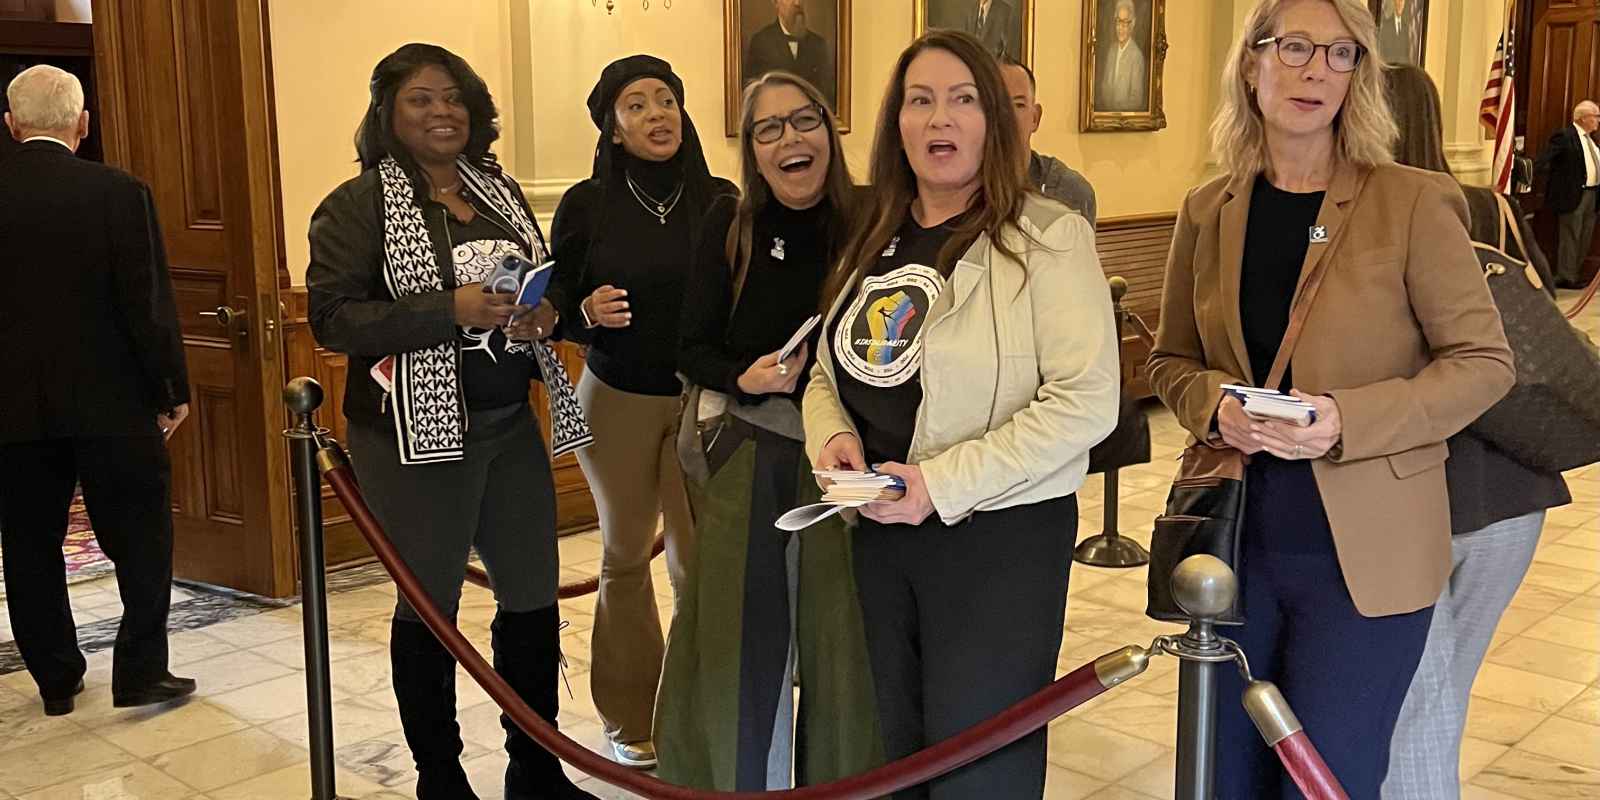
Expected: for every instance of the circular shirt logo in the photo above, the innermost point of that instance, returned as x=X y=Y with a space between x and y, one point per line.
x=879 y=338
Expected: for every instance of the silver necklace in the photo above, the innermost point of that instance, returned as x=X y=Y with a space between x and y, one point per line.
x=657 y=208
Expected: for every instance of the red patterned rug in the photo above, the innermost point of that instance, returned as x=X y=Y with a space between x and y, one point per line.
x=85 y=560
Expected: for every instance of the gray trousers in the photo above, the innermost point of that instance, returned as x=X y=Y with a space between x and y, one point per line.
x=1577 y=233
x=1425 y=753
x=500 y=499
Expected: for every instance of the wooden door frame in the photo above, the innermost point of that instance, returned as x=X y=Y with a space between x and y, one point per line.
x=253 y=231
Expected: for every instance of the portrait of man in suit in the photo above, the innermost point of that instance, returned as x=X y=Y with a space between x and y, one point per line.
x=798 y=36
x=1401 y=30
x=1122 y=80
x=1001 y=25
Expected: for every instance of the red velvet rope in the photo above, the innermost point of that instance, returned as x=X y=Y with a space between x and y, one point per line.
x=1026 y=716
x=477 y=577
x=1583 y=302
x=1305 y=765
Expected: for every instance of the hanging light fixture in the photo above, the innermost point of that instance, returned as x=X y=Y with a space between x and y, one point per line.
x=611 y=5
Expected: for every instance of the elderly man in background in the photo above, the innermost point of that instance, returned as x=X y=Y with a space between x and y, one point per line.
x=1123 y=84
x=1573 y=160
x=96 y=380
x=1050 y=176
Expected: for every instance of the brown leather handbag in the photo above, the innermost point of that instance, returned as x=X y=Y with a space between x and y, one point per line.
x=1205 y=508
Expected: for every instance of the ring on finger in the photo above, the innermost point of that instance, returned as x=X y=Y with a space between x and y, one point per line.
x=783 y=369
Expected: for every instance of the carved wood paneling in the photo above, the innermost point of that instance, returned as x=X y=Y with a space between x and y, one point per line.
x=1135 y=248
x=1559 y=56
x=217 y=414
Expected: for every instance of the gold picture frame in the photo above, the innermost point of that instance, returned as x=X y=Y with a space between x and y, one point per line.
x=1111 y=98
x=960 y=14
x=743 y=21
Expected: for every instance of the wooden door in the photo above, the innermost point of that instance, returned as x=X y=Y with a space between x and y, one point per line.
x=1560 y=66
x=187 y=108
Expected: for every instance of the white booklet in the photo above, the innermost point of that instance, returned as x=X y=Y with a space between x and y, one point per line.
x=847 y=489
x=798 y=337
x=1268 y=404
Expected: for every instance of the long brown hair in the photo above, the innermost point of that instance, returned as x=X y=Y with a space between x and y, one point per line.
x=1001 y=191
x=1415 y=101
x=755 y=193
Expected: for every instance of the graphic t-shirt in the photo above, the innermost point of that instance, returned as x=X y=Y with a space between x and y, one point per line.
x=490 y=377
x=876 y=340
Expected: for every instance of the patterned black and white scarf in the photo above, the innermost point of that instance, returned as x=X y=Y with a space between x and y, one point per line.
x=429 y=419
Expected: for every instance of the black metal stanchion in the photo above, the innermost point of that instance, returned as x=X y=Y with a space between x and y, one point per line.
x=1110 y=548
x=1204 y=587
x=303 y=397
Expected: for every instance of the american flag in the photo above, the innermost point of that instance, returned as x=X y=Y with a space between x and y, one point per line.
x=1498 y=111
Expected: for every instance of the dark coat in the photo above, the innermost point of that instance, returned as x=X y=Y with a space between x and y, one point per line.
x=92 y=343
x=769 y=50
x=1563 y=156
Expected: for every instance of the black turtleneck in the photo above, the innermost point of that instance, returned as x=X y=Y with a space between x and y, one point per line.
x=781 y=289
x=633 y=251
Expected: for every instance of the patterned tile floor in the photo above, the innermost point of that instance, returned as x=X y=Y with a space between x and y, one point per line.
x=1534 y=730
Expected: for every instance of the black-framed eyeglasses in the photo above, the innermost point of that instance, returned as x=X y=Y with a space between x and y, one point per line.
x=1297 y=51
x=770 y=129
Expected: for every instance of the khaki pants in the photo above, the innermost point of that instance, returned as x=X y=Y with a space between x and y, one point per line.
x=632 y=468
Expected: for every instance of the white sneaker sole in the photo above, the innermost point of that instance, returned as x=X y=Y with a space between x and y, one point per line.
x=622 y=758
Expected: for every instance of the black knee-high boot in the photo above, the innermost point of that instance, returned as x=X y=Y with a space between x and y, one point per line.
x=425 y=687
x=527 y=653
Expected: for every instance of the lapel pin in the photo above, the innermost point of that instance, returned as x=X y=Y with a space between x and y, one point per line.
x=893 y=243
x=777 y=248
x=1319 y=234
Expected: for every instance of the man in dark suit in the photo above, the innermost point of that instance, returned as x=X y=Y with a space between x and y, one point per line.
x=994 y=23
x=788 y=45
x=1573 y=160
x=95 y=382
x=1397 y=32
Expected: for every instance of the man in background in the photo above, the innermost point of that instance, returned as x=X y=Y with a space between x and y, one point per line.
x=1123 y=85
x=1397 y=32
x=1573 y=160
x=789 y=45
x=96 y=382
x=1047 y=175
x=994 y=23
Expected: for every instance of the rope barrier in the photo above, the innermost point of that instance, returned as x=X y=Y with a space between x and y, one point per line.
x=1583 y=302
x=567 y=591
x=1282 y=732
x=1024 y=717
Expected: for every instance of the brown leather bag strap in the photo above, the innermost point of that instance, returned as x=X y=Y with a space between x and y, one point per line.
x=1507 y=219
x=1297 y=321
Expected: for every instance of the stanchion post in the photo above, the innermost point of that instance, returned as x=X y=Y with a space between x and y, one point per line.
x=1204 y=588
x=303 y=396
x=1110 y=548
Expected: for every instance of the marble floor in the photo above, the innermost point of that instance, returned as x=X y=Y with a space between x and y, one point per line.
x=1533 y=732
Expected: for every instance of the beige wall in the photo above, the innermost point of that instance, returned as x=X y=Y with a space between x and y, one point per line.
x=541 y=57
x=323 y=52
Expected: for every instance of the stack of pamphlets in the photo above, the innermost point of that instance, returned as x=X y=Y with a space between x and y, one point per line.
x=1268 y=404
x=846 y=489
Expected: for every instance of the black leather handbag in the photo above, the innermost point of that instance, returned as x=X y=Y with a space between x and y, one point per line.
x=1205 y=508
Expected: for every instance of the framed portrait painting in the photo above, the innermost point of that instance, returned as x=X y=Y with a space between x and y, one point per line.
x=1004 y=26
x=1402 y=30
x=810 y=38
x=1124 y=60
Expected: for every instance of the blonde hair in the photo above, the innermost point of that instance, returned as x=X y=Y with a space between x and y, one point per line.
x=1364 y=130
x=45 y=99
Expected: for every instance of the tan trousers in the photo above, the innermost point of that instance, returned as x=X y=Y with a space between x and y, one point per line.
x=632 y=468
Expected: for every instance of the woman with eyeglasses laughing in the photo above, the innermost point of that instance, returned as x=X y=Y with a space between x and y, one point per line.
x=760 y=601
x=1345 y=542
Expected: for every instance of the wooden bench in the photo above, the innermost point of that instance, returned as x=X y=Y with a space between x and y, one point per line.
x=1135 y=248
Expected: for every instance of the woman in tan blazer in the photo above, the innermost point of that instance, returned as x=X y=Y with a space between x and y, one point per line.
x=1347 y=523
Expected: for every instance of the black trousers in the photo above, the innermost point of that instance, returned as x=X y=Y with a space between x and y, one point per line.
x=961 y=622
x=127 y=487
x=1345 y=675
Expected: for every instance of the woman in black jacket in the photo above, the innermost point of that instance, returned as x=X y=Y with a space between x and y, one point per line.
x=760 y=602
x=1497 y=509
x=447 y=450
x=622 y=241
